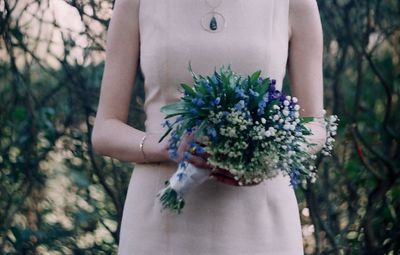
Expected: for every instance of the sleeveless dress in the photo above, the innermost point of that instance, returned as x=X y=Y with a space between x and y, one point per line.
x=218 y=218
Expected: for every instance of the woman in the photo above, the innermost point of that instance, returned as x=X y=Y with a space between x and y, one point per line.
x=161 y=37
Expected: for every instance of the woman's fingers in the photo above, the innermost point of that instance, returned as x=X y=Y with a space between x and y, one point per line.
x=199 y=162
x=224 y=176
x=224 y=179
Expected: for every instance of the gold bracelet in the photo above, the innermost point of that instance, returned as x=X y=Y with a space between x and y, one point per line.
x=141 y=148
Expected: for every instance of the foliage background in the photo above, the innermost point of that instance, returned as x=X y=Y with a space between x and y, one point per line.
x=58 y=197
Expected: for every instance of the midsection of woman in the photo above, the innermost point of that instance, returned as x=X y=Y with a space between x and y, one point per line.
x=218 y=218
x=163 y=36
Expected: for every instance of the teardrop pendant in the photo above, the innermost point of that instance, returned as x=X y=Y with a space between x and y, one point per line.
x=213 y=24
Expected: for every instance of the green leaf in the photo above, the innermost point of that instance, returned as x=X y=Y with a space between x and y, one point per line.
x=175 y=107
x=188 y=89
x=200 y=129
x=306 y=119
x=255 y=76
x=165 y=134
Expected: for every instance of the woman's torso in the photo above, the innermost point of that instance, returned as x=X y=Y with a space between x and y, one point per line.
x=171 y=35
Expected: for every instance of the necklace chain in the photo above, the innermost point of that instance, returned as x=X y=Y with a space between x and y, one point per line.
x=213 y=7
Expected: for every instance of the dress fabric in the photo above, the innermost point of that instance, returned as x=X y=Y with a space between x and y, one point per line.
x=218 y=219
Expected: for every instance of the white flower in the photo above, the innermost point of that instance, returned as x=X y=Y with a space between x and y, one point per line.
x=286 y=103
x=286 y=126
x=263 y=120
x=297 y=107
x=294 y=99
x=285 y=112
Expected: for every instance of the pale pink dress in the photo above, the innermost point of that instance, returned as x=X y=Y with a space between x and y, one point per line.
x=218 y=219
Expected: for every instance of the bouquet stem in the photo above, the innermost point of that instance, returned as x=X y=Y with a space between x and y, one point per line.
x=186 y=177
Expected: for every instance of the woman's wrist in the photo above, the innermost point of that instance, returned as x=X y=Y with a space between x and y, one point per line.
x=152 y=150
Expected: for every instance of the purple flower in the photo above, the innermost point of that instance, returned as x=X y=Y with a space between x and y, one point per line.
x=272 y=86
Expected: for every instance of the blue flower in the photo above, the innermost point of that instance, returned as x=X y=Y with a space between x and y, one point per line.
x=167 y=123
x=208 y=86
x=194 y=111
x=240 y=105
x=173 y=154
x=253 y=93
x=240 y=93
x=215 y=101
x=247 y=115
x=212 y=133
x=173 y=146
x=198 y=102
x=199 y=149
x=181 y=175
x=186 y=156
x=183 y=164
x=262 y=104
x=294 y=177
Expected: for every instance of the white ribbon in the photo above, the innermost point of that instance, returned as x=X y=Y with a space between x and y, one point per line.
x=188 y=177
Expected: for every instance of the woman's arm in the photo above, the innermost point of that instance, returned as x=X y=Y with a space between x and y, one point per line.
x=305 y=65
x=111 y=136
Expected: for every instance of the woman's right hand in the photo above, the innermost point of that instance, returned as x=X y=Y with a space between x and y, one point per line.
x=197 y=160
x=200 y=161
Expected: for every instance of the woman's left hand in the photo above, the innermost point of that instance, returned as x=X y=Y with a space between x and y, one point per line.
x=224 y=176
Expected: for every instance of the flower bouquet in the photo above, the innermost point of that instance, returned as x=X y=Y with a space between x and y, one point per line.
x=247 y=127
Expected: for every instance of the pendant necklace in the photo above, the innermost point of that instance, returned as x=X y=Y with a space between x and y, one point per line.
x=213 y=21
